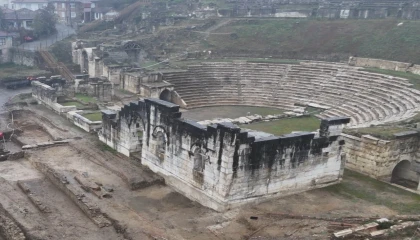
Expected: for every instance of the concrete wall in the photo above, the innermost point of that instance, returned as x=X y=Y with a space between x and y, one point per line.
x=378 y=158
x=384 y=64
x=221 y=166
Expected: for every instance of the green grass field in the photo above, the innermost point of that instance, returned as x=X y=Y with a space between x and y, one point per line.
x=294 y=39
x=72 y=103
x=359 y=186
x=10 y=71
x=97 y=116
x=286 y=125
x=207 y=113
x=382 y=132
x=85 y=98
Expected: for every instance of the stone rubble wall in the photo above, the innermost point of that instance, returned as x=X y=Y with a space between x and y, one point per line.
x=60 y=180
x=9 y=228
x=21 y=57
x=384 y=64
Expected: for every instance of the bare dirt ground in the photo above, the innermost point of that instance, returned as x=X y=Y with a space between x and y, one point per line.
x=128 y=202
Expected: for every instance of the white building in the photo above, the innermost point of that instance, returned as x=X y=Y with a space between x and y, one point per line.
x=5 y=3
x=28 y=4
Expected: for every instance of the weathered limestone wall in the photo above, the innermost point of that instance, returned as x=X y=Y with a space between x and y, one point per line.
x=79 y=120
x=378 y=158
x=44 y=93
x=20 y=57
x=47 y=95
x=123 y=131
x=220 y=165
x=149 y=85
x=94 y=65
x=384 y=64
x=102 y=90
x=178 y=100
x=130 y=82
x=323 y=9
x=112 y=73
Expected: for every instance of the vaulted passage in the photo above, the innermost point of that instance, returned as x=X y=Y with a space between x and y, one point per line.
x=165 y=95
x=85 y=64
x=404 y=175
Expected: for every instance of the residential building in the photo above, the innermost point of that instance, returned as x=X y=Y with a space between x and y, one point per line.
x=98 y=13
x=29 y=4
x=73 y=11
x=5 y=3
x=16 y=19
x=6 y=42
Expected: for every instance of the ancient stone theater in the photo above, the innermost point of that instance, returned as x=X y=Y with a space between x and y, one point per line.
x=221 y=165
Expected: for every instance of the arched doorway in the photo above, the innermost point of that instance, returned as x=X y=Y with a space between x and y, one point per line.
x=133 y=50
x=404 y=175
x=160 y=145
x=85 y=63
x=166 y=95
x=199 y=165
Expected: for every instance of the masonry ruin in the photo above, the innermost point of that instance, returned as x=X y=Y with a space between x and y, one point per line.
x=106 y=60
x=222 y=166
x=395 y=160
x=216 y=120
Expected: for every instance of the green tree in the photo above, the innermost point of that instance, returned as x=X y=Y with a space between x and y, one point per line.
x=45 y=21
x=2 y=22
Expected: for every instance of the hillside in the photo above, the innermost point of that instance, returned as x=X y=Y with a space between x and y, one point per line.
x=318 y=39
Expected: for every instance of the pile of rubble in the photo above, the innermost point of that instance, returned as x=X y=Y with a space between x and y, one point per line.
x=380 y=228
x=299 y=112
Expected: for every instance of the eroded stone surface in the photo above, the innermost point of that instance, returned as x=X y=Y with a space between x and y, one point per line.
x=220 y=165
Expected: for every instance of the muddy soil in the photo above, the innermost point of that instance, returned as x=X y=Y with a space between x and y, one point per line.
x=156 y=211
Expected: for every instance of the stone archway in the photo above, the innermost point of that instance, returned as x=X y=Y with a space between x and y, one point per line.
x=133 y=50
x=160 y=148
x=166 y=95
x=85 y=62
x=404 y=175
x=199 y=165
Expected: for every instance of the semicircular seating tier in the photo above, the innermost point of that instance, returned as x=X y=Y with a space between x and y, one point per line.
x=367 y=98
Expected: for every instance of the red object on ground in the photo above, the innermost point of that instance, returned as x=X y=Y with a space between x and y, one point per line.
x=28 y=39
x=1 y=135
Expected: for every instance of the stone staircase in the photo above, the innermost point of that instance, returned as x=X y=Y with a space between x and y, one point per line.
x=367 y=98
x=57 y=67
